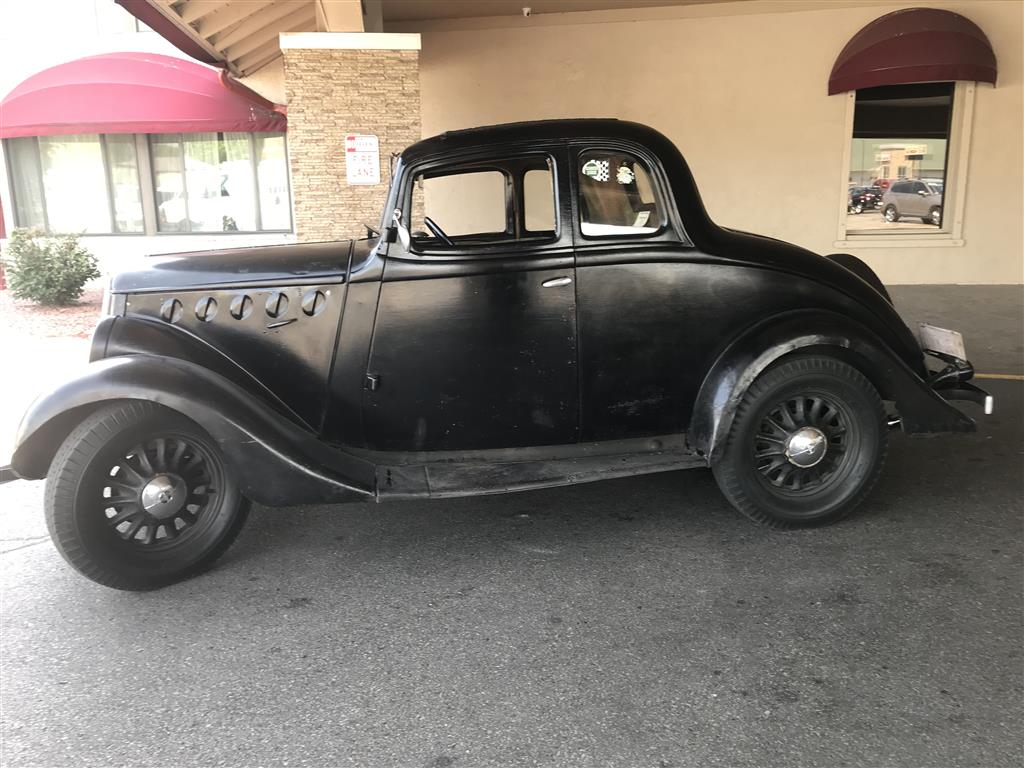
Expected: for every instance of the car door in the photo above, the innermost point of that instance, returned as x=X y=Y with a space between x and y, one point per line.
x=474 y=343
x=642 y=318
x=917 y=200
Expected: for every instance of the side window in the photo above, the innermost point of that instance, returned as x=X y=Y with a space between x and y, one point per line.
x=616 y=196
x=469 y=204
x=492 y=203
x=539 y=202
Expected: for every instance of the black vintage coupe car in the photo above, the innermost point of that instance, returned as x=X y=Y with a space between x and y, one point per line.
x=863 y=198
x=544 y=303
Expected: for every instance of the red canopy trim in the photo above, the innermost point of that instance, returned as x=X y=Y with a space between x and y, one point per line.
x=914 y=45
x=133 y=93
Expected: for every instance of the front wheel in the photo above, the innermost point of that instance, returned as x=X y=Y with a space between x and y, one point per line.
x=806 y=446
x=139 y=497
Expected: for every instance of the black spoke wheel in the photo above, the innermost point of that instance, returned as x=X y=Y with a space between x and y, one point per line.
x=800 y=444
x=161 y=491
x=139 y=497
x=806 y=446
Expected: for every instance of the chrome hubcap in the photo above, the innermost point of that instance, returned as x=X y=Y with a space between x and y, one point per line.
x=802 y=443
x=806 y=447
x=159 y=490
x=164 y=496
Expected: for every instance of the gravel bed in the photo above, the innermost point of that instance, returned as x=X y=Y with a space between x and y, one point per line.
x=27 y=319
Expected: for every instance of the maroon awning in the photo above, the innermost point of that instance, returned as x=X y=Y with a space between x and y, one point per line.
x=134 y=93
x=914 y=45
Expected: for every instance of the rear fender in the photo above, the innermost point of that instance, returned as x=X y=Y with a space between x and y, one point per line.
x=921 y=410
x=275 y=460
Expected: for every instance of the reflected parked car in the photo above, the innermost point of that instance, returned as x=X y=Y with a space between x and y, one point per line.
x=914 y=198
x=863 y=198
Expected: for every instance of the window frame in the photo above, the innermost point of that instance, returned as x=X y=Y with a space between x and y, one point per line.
x=147 y=190
x=954 y=188
x=512 y=163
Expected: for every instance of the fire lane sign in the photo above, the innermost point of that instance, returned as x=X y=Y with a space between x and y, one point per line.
x=362 y=159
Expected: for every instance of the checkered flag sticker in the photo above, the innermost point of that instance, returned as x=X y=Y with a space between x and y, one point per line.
x=598 y=170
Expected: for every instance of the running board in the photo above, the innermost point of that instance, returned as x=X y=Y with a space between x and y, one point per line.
x=446 y=479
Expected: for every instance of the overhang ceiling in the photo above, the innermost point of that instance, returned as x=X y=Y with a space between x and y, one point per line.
x=421 y=10
x=244 y=33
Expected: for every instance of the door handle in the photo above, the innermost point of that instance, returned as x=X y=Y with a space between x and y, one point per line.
x=555 y=282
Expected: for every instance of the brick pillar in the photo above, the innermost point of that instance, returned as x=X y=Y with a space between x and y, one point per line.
x=338 y=83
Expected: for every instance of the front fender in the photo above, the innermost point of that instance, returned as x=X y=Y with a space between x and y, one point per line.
x=921 y=410
x=275 y=460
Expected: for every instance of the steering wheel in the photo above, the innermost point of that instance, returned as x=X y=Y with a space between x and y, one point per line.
x=437 y=231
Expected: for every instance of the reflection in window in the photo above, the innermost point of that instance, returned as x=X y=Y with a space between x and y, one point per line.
x=81 y=184
x=220 y=182
x=272 y=178
x=125 y=192
x=74 y=184
x=29 y=206
x=898 y=157
x=616 y=196
x=202 y=182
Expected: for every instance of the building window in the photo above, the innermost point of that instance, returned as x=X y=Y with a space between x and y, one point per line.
x=616 y=196
x=84 y=184
x=905 y=160
x=204 y=182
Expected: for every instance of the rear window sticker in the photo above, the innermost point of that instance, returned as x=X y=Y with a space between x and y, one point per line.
x=598 y=170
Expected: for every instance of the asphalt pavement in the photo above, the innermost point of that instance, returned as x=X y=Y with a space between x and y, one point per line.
x=635 y=622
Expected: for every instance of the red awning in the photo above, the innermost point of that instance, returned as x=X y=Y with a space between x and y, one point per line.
x=134 y=93
x=914 y=45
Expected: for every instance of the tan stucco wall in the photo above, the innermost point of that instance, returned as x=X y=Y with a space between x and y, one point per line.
x=741 y=88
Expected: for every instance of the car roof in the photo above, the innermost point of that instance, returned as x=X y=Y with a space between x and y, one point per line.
x=532 y=132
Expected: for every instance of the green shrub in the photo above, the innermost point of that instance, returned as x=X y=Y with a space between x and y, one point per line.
x=47 y=270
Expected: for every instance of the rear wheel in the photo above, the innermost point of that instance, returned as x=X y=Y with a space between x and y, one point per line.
x=891 y=214
x=806 y=446
x=139 y=497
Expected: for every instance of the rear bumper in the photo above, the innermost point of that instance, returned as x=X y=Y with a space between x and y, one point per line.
x=952 y=382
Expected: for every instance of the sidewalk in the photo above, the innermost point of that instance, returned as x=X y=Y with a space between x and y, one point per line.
x=40 y=348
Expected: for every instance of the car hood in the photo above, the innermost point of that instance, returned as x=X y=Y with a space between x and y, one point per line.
x=292 y=264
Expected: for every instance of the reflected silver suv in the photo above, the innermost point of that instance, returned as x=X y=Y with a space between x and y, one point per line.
x=913 y=197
